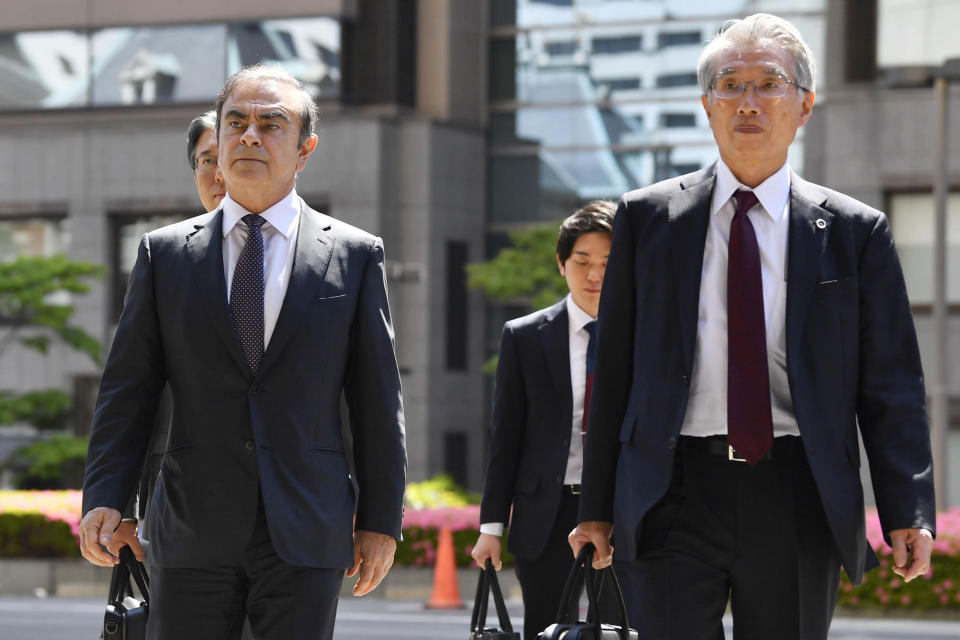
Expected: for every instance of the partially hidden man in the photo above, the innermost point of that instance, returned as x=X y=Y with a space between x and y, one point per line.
x=536 y=448
x=750 y=321
x=259 y=315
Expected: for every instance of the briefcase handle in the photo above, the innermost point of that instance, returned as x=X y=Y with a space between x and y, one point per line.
x=583 y=573
x=129 y=567
x=487 y=582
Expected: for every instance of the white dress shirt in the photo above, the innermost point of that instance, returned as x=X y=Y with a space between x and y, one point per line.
x=706 y=413
x=577 y=318
x=279 y=243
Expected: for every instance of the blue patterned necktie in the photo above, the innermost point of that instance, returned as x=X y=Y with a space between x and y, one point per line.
x=246 y=293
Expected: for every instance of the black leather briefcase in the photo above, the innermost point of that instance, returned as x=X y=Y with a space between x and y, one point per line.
x=126 y=615
x=583 y=574
x=486 y=583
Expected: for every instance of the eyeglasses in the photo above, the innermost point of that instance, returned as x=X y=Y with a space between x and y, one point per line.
x=205 y=164
x=769 y=87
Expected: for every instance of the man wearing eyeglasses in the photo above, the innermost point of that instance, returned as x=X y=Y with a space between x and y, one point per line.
x=767 y=319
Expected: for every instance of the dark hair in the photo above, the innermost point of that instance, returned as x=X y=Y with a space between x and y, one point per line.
x=594 y=217
x=309 y=113
x=198 y=126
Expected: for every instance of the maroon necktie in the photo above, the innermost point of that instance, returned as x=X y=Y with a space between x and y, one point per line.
x=749 y=420
x=591 y=329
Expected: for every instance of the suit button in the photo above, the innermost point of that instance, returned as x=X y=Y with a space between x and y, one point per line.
x=559 y=479
x=672 y=443
x=249 y=444
x=256 y=391
x=686 y=381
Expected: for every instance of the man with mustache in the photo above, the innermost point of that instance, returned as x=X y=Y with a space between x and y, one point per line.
x=259 y=315
x=751 y=323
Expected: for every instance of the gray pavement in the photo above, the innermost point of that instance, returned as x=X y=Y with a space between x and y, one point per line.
x=380 y=619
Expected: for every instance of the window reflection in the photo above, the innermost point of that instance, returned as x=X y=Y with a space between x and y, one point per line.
x=157 y=65
x=43 y=69
x=308 y=48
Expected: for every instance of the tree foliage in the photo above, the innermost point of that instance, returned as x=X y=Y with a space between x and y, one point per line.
x=526 y=270
x=31 y=291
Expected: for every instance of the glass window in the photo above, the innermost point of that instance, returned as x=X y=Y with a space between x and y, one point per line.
x=157 y=65
x=678 y=38
x=309 y=48
x=576 y=125
x=32 y=236
x=613 y=46
x=127 y=231
x=561 y=48
x=677 y=120
x=622 y=84
x=44 y=69
x=912 y=222
x=670 y=80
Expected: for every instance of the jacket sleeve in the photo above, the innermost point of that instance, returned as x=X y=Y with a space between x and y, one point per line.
x=372 y=390
x=891 y=403
x=506 y=439
x=612 y=373
x=130 y=388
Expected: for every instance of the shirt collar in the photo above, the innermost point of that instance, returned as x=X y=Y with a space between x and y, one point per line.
x=578 y=317
x=773 y=193
x=281 y=215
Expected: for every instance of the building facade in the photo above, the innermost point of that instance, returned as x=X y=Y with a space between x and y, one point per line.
x=95 y=100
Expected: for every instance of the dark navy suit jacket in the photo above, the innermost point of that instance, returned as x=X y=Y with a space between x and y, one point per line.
x=234 y=435
x=532 y=418
x=852 y=359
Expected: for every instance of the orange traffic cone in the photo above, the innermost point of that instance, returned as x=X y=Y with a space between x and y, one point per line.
x=446 y=592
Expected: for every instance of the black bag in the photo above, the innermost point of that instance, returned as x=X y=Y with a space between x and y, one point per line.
x=582 y=573
x=126 y=616
x=485 y=583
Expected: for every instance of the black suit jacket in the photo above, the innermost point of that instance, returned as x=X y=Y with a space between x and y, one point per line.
x=233 y=435
x=852 y=359
x=532 y=419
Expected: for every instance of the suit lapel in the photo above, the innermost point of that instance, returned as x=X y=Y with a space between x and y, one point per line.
x=554 y=332
x=810 y=226
x=689 y=214
x=204 y=250
x=310 y=261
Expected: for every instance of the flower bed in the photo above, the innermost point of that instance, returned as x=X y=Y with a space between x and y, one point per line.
x=421 y=527
x=884 y=590
x=418 y=548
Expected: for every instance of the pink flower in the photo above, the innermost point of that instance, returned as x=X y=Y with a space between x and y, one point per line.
x=905 y=600
x=884 y=598
x=895 y=583
x=944 y=599
x=948 y=584
x=854 y=600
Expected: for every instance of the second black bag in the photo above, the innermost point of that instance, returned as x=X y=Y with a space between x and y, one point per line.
x=486 y=583
x=582 y=573
x=126 y=616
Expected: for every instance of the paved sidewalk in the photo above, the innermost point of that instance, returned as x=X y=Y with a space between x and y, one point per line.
x=23 y=618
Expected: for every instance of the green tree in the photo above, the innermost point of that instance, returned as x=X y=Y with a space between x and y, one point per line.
x=34 y=313
x=527 y=270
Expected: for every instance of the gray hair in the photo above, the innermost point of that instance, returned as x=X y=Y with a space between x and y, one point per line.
x=309 y=113
x=760 y=28
x=198 y=126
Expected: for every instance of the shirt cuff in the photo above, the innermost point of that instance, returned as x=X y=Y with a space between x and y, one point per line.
x=492 y=528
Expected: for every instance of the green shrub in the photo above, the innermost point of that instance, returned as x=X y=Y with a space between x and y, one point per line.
x=419 y=547
x=438 y=491
x=31 y=535
x=882 y=589
x=56 y=463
